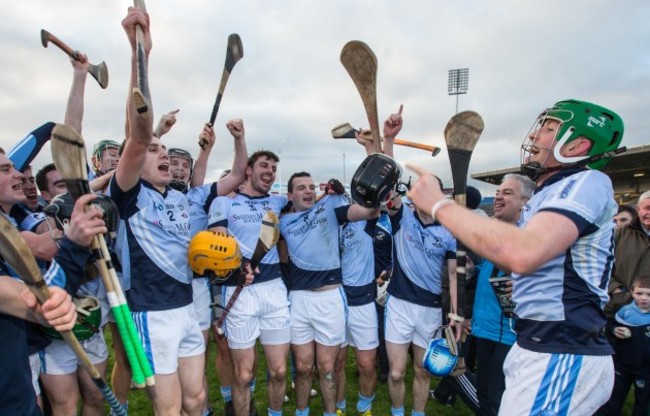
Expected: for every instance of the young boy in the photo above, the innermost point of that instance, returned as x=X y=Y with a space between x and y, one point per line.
x=631 y=330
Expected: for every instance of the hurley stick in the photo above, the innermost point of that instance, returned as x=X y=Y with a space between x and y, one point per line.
x=461 y=134
x=15 y=251
x=346 y=131
x=361 y=63
x=99 y=72
x=234 y=52
x=69 y=155
x=141 y=95
x=269 y=236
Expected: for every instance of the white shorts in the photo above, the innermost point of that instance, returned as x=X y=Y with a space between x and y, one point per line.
x=363 y=327
x=58 y=358
x=35 y=365
x=318 y=316
x=406 y=322
x=169 y=335
x=201 y=302
x=555 y=384
x=261 y=311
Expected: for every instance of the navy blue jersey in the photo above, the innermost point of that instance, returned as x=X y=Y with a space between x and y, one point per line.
x=153 y=246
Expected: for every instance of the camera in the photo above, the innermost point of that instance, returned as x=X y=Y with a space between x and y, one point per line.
x=499 y=285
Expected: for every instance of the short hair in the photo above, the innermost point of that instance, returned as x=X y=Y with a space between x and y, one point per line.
x=527 y=185
x=302 y=174
x=473 y=197
x=642 y=282
x=2 y=151
x=41 y=176
x=262 y=153
x=644 y=195
x=627 y=208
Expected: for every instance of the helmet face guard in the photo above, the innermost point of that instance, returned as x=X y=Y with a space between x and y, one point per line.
x=602 y=127
x=61 y=207
x=97 y=159
x=178 y=182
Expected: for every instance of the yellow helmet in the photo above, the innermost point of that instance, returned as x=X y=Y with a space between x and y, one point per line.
x=215 y=255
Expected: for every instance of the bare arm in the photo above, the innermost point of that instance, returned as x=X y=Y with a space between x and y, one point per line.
x=140 y=129
x=521 y=250
x=74 y=111
x=42 y=245
x=392 y=126
x=166 y=123
x=201 y=166
x=16 y=300
x=238 y=173
x=359 y=213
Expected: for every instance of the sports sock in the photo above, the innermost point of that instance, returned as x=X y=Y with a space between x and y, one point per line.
x=226 y=393
x=397 y=412
x=364 y=403
x=274 y=412
x=414 y=413
x=303 y=412
x=252 y=385
x=341 y=405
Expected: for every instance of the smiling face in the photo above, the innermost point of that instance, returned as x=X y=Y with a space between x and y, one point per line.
x=537 y=149
x=11 y=185
x=643 y=209
x=260 y=177
x=29 y=188
x=110 y=157
x=303 y=193
x=156 y=165
x=180 y=169
x=508 y=201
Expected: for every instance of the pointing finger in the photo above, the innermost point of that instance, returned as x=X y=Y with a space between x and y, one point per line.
x=418 y=170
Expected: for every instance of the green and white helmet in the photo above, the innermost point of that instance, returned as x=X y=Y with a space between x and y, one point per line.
x=603 y=127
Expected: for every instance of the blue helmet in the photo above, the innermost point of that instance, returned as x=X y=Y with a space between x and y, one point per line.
x=438 y=359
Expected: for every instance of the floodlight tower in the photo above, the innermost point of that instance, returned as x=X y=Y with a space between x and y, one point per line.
x=458 y=83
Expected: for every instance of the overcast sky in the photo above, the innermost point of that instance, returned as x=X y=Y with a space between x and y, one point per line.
x=291 y=89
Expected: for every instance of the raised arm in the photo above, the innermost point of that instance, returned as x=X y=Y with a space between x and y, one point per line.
x=392 y=126
x=238 y=173
x=166 y=123
x=521 y=250
x=208 y=138
x=139 y=127
x=74 y=111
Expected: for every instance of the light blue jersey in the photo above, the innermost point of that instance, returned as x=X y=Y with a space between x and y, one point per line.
x=200 y=198
x=312 y=238
x=358 y=262
x=420 y=254
x=560 y=305
x=152 y=246
x=242 y=216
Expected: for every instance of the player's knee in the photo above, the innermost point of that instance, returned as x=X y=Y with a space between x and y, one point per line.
x=278 y=373
x=396 y=376
x=193 y=401
x=366 y=365
x=244 y=376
